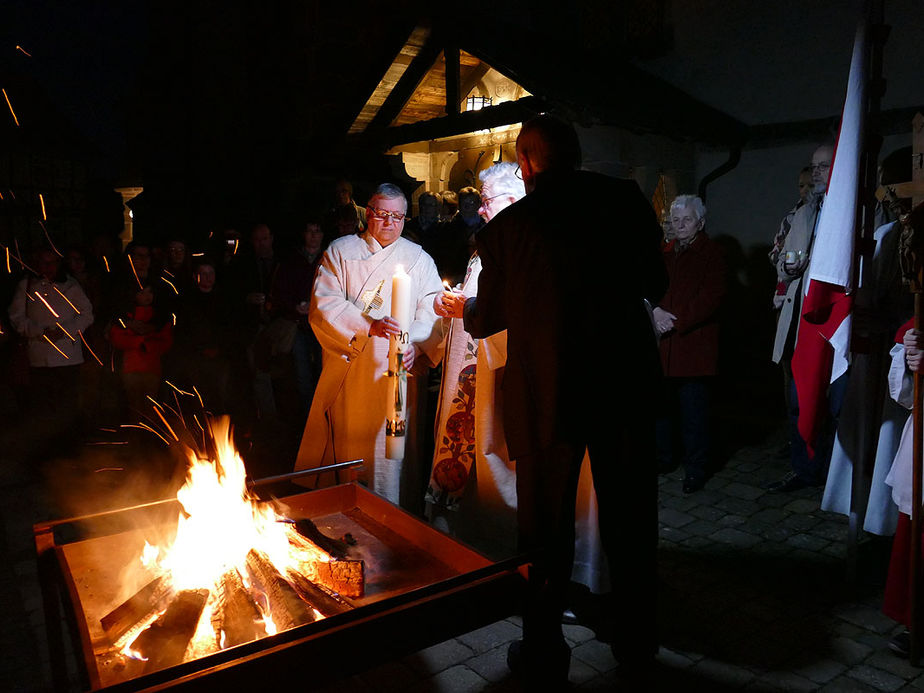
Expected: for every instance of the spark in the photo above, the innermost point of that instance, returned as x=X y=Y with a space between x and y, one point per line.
x=66 y=299
x=47 y=236
x=6 y=96
x=12 y=194
x=47 y=304
x=174 y=319
x=7 y=251
x=171 y=285
x=92 y=353
x=201 y=404
x=132 y=264
x=44 y=215
x=23 y=51
x=56 y=347
x=122 y=323
x=182 y=392
x=110 y=469
x=106 y=262
x=60 y=327
x=146 y=428
x=161 y=417
x=236 y=242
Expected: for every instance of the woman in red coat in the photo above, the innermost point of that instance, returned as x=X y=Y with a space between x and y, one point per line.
x=687 y=323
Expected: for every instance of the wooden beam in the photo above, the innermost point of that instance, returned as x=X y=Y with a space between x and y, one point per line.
x=453 y=85
x=407 y=85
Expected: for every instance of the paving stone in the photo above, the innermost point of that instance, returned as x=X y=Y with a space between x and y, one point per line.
x=849 y=651
x=781 y=681
x=707 y=512
x=802 y=506
x=735 y=537
x=457 y=679
x=490 y=636
x=736 y=506
x=807 y=541
x=866 y=617
x=438 y=657
x=887 y=661
x=491 y=665
x=877 y=678
x=845 y=684
x=743 y=491
x=576 y=634
x=733 y=521
x=821 y=670
x=596 y=654
x=723 y=672
x=674 y=518
x=391 y=676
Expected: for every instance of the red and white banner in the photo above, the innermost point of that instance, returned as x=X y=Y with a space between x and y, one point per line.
x=824 y=329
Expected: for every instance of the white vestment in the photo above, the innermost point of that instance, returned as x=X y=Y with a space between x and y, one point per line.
x=479 y=506
x=867 y=409
x=351 y=289
x=901 y=387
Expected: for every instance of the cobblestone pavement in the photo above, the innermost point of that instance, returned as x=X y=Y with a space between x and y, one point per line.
x=757 y=593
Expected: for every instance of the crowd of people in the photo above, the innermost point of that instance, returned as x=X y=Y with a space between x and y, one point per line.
x=514 y=448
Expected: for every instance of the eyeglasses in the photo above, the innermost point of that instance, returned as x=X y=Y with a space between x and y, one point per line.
x=517 y=173
x=384 y=214
x=486 y=200
x=822 y=166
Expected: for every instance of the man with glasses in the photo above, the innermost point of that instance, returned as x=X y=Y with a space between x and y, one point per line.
x=568 y=282
x=350 y=314
x=792 y=262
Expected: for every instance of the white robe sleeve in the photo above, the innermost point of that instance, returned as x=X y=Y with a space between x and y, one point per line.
x=901 y=382
x=340 y=326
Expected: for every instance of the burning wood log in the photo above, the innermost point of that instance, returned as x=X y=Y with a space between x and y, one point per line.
x=236 y=618
x=165 y=642
x=320 y=598
x=344 y=577
x=286 y=607
x=146 y=601
x=309 y=530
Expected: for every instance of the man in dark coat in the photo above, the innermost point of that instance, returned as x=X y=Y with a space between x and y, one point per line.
x=559 y=275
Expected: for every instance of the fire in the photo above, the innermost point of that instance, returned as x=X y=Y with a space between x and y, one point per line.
x=231 y=551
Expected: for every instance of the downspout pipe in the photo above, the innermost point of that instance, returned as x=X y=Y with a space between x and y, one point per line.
x=734 y=158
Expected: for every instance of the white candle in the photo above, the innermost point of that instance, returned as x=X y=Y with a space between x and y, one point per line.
x=396 y=411
x=401 y=304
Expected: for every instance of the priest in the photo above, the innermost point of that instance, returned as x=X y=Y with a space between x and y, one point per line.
x=350 y=313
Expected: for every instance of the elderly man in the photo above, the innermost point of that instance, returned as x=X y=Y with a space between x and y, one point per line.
x=686 y=321
x=558 y=296
x=350 y=315
x=791 y=265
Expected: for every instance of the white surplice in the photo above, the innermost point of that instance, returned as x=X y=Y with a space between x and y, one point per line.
x=347 y=417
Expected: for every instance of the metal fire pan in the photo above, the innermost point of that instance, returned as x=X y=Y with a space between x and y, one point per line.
x=422 y=587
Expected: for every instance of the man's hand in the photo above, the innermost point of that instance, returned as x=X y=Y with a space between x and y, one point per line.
x=449 y=304
x=384 y=327
x=914 y=349
x=410 y=356
x=663 y=320
x=795 y=263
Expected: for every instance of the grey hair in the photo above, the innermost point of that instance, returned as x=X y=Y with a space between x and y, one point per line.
x=389 y=191
x=503 y=180
x=691 y=201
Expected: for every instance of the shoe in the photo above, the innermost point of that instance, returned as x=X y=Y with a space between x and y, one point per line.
x=538 y=666
x=692 y=484
x=900 y=644
x=790 y=482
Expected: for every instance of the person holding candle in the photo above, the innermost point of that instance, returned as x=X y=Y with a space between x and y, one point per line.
x=559 y=302
x=351 y=313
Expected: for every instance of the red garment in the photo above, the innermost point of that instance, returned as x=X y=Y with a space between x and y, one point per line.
x=896 y=601
x=697 y=287
x=141 y=353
